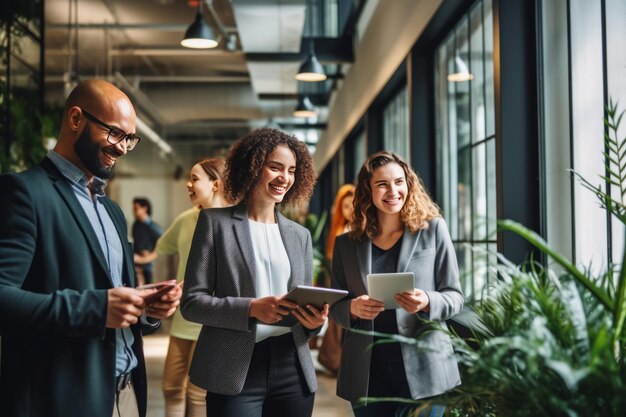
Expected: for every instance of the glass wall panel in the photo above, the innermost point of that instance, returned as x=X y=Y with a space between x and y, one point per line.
x=466 y=143
x=479 y=191
x=616 y=83
x=490 y=104
x=396 y=125
x=360 y=152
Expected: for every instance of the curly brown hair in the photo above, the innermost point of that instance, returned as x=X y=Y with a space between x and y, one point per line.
x=418 y=208
x=246 y=158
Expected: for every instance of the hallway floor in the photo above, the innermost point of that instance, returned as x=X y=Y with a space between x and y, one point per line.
x=327 y=404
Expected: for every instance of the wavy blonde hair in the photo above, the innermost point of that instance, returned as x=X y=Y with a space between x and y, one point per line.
x=418 y=207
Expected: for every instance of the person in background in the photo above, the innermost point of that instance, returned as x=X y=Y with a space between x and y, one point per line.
x=253 y=355
x=145 y=235
x=330 y=348
x=69 y=315
x=396 y=227
x=206 y=189
x=340 y=216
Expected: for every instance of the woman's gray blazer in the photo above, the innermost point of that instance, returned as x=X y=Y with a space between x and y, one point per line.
x=219 y=286
x=430 y=255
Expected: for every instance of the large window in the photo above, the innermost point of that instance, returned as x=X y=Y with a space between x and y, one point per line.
x=466 y=146
x=583 y=67
x=396 y=125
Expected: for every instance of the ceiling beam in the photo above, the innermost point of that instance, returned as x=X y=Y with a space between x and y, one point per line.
x=165 y=27
x=318 y=99
x=327 y=50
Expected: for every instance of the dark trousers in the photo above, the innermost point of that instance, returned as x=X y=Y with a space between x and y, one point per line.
x=388 y=379
x=274 y=387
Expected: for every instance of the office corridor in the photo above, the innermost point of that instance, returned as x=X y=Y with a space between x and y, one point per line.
x=327 y=404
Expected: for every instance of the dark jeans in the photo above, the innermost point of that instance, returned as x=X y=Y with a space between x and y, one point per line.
x=274 y=387
x=388 y=379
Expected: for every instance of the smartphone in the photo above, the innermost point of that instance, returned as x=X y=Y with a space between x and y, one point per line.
x=162 y=287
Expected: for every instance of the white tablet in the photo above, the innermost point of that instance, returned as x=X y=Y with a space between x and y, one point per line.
x=384 y=287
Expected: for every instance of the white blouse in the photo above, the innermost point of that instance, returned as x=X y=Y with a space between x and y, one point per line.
x=272 y=270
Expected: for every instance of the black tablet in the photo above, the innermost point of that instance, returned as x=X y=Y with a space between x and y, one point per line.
x=315 y=296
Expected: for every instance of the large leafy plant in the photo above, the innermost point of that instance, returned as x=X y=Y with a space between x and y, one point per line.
x=552 y=340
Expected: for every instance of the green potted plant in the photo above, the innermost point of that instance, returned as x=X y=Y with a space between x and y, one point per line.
x=553 y=342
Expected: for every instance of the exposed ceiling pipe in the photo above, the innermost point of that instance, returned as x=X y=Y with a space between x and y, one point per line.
x=111 y=8
x=174 y=79
x=147 y=132
x=216 y=19
x=156 y=51
x=165 y=27
x=139 y=96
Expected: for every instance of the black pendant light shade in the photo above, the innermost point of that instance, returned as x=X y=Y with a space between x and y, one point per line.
x=199 y=35
x=311 y=69
x=304 y=108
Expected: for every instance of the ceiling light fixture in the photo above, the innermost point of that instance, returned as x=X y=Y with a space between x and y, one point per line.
x=461 y=72
x=199 y=35
x=311 y=70
x=304 y=108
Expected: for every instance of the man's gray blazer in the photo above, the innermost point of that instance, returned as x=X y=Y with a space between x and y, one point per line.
x=219 y=286
x=430 y=255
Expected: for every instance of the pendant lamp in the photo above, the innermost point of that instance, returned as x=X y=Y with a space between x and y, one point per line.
x=304 y=108
x=311 y=70
x=461 y=72
x=199 y=35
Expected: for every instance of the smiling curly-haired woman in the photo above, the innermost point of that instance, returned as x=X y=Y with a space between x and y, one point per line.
x=247 y=157
x=253 y=355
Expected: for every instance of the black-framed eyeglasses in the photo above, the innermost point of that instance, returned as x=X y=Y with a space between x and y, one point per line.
x=116 y=135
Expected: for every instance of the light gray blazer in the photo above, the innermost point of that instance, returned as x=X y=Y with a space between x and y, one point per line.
x=429 y=253
x=219 y=286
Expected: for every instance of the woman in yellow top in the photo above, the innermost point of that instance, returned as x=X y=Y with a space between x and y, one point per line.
x=206 y=189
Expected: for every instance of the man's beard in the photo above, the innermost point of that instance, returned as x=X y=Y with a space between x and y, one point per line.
x=89 y=153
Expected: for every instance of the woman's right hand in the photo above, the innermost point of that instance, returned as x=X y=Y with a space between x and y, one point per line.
x=270 y=310
x=363 y=307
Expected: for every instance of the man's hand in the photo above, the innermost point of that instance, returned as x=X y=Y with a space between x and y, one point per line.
x=270 y=310
x=124 y=306
x=166 y=305
x=363 y=307
x=311 y=318
x=413 y=302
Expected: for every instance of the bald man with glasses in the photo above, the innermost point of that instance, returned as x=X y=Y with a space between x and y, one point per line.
x=70 y=317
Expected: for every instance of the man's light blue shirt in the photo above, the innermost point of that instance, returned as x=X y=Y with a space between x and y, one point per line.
x=110 y=244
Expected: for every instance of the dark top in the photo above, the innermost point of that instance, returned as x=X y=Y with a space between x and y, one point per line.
x=145 y=236
x=386 y=261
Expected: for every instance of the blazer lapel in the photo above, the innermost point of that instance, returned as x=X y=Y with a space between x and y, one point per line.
x=409 y=241
x=67 y=194
x=291 y=243
x=244 y=240
x=364 y=258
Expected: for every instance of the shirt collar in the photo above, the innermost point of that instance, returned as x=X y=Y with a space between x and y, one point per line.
x=76 y=175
